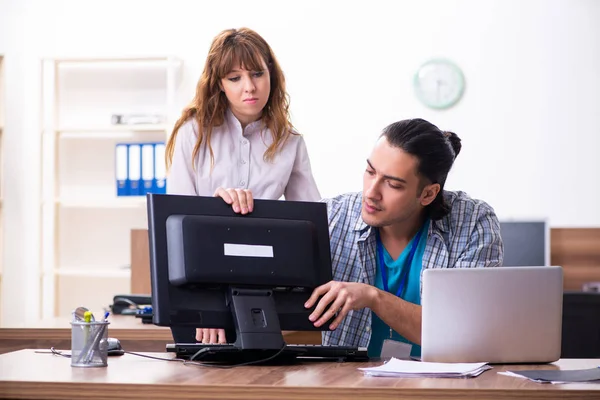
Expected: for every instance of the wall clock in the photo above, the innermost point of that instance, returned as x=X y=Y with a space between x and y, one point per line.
x=439 y=83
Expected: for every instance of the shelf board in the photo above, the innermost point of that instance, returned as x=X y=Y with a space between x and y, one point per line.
x=94 y=272
x=118 y=62
x=83 y=130
x=124 y=202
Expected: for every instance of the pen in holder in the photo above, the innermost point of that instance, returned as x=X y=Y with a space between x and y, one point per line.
x=89 y=347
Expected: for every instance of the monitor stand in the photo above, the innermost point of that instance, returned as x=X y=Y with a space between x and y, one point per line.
x=258 y=333
x=255 y=319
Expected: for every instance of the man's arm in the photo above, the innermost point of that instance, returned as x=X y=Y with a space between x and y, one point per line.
x=402 y=316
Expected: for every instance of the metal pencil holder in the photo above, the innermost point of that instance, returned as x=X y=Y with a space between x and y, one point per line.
x=89 y=347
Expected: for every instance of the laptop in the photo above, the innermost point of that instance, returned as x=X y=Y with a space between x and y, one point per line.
x=498 y=315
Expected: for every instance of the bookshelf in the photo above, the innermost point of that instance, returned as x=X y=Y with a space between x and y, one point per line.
x=85 y=255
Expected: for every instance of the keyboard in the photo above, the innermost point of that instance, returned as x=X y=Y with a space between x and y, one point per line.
x=228 y=353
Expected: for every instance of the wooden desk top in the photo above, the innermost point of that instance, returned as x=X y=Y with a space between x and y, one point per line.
x=25 y=374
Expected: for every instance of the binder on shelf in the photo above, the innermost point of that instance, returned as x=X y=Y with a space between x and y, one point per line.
x=135 y=169
x=147 y=168
x=160 y=169
x=121 y=169
x=140 y=168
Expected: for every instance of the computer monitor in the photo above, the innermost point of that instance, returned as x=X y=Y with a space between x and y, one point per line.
x=526 y=243
x=213 y=268
x=581 y=325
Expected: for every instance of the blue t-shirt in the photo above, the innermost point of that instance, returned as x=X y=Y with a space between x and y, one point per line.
x=411 y=293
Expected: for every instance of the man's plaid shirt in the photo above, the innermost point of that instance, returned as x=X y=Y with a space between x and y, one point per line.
x=468 y=237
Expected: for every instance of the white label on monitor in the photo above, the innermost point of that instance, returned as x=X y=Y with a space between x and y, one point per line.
x=247 y=250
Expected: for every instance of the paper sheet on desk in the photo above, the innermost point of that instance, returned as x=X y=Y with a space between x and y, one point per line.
x=416 y=369
x=590 y=375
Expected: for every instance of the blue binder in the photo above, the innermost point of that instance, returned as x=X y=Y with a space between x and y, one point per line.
x=147 y=168
x=135 y=169
x=121 y=169
x=160 y=169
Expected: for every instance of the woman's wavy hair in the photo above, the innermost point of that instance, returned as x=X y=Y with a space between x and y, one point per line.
x=229 y=48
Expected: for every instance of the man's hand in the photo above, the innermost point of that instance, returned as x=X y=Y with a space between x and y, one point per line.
x=339 y=298
x=211 y=336
x=241 y=200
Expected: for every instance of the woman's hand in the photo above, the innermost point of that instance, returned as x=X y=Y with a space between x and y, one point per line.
x=240 y=199
x=210 y=336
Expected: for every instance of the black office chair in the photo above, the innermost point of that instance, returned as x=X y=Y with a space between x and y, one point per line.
x=581 y=325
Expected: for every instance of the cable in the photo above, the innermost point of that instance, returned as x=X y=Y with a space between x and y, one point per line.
x=60 y=353
x=199 y=353
x=224 y=366
x=185 y=362
x=55 y=352
x=154 y=358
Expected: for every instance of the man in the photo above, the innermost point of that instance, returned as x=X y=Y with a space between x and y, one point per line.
x=385 y=236
x=402 y=223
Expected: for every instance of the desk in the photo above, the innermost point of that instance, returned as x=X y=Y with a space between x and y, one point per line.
x=27 y=375
x=134 y=335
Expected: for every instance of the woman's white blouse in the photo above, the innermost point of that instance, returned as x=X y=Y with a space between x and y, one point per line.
x=239 y=163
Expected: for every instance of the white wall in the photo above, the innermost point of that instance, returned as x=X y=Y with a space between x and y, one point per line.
x=529 y=119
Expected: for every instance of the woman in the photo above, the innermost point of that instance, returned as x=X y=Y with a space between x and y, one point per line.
x=235 y=139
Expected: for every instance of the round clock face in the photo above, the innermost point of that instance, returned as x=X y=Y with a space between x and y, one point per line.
x=439 y=84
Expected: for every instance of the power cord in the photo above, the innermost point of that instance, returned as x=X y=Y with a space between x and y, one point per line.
x=154 y=358
x=62 y=354
x=185 y=362
x=53 y=351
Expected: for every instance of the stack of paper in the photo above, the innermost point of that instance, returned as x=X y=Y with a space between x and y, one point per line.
x=416 y=369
